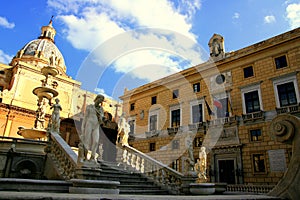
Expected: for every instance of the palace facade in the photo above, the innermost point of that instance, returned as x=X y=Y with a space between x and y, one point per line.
x=18 y=103
x=227 y=104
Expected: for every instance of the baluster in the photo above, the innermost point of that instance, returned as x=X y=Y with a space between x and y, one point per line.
x=128 y=158
x=133 y=160
x=137 y=163
x=142 y=165
x=125 y=156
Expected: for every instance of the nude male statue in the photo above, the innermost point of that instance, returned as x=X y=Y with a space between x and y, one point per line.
x=92 y=120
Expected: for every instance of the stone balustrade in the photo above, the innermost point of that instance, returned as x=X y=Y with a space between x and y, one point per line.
x=61 y=153
x=163 y=175
x=250 y=188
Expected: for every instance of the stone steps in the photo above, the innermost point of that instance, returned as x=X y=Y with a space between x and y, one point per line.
x=130 y=182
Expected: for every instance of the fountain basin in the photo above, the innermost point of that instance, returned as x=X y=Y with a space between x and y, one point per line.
x=45 y=92
x=32 y=133
x=48 y=70
x=207 y=188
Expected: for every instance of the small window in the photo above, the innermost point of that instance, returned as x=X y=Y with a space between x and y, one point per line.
x=152 y=146
x=248 y=72
x=255 y=135
x=220 y=79
x=2 y=72
x=198 y=141
x=175 y=144
x=258 y=163
x=175 y=118
x=175 y=164
x=196 y=87
x=153 y=100
x=281 y=62
x=175 y=94
x=132 y=107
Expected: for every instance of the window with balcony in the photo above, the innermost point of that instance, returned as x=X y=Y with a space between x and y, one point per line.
x=281 y=62
x=197 y=113
x=258 y=161
x=252 y=103
x=175 y=118
x=153 y=123
x=287 y=94
x=255 y=135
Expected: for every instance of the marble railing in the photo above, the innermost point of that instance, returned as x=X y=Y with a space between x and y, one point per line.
x=250 y=188
x=288 y=109
x=253 y=116
x=160 y=173
x=62 y=155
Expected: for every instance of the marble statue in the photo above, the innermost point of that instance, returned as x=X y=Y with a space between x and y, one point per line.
x=189 y=146
x=56 y=115
x=200 y=166
x=124 y=127
x=93 y=118
x=40 y=114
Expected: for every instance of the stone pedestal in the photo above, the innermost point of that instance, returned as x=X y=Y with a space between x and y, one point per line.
x=207 y=188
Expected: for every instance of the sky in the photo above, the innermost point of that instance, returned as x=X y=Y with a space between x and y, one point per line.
x=110 y=45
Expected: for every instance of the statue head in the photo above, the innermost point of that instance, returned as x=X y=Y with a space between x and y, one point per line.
x=99 y=98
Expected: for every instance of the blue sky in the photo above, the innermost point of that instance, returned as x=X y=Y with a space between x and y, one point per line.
x=112 y=44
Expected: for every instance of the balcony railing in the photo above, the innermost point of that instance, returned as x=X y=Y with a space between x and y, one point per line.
x=253 y=116
x=223 y=121
x=288 y=109
x=172 y=130
x=199 y=127
x=150 y=134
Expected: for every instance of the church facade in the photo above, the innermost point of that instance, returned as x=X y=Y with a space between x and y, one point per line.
x=18 y=106
x=227 y=103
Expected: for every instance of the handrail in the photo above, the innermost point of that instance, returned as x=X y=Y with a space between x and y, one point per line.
x=160 y=173
x=63 y=154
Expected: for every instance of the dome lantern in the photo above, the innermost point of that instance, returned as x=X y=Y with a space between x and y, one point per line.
x=48 y=32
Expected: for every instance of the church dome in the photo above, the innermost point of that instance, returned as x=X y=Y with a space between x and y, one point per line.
x=43 y=51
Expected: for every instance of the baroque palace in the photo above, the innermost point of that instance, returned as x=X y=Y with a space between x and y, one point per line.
x=18 y=107
x=226 y=104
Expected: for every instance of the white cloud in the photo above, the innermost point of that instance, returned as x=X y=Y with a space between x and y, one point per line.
x=89 y=23
x=293 y=15
x=269 y=19
x=5 y=58
x=4 y=23
x=236 y=15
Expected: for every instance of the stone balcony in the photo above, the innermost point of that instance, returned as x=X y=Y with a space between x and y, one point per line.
x=226 y=121
x=253 y=116
x=288 y=109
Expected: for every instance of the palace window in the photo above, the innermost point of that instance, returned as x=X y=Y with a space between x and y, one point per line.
x=175 y=164
x=132 y=106
x=252 y=101
x=153 y=123
x=287 y=94
x=248 y=72
x=153 y=100
x=175 y=118
x=175 y=94
x=258 y=161
x=196 y=87
x=255 y=135
x=175 y=144
x=281 y=62
x=197 y=113
x=152 y=146
x=286 y=90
